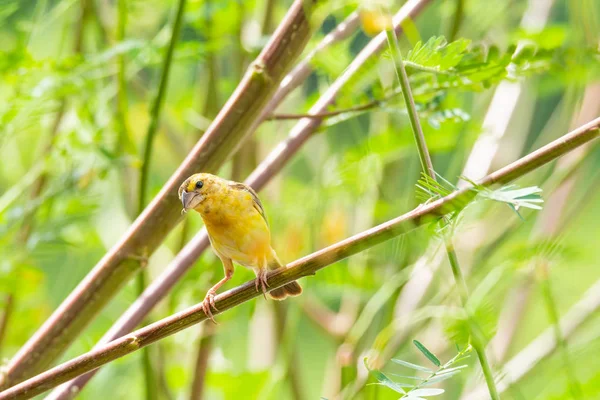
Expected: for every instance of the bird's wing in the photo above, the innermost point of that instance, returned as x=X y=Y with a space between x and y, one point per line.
x=255 y=200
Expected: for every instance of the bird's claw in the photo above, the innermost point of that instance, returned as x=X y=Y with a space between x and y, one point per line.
x=261 y=280
x=207 y=304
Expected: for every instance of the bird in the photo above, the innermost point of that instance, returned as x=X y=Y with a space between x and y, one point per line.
x=238 y=230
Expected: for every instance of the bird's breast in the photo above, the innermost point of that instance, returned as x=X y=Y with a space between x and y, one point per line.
x=236 y=229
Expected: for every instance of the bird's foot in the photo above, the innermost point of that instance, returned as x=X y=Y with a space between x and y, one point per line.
x=209 y=303
x=261 y=280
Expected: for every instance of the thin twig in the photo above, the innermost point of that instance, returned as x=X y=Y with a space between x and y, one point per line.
x=327 y=114
x=232 y=125
x=303 y=267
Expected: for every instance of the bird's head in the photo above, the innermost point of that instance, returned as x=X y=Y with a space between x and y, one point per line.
x=197 y=188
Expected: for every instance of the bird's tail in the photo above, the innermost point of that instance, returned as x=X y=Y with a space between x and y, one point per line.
x=290 y=289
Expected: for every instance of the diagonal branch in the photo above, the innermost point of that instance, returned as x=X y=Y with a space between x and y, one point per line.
x=226 y=132
x=305 y=266
x=284 y=152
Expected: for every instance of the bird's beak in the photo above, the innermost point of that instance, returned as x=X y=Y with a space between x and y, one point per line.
x=190 y=199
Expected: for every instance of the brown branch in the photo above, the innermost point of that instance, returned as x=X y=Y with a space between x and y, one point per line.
x=233 y=123
x=261 y=175
x=327 y=114
x=304 y=68
x=303 y=267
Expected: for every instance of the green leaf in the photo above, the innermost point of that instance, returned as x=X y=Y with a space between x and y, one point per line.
x=411 y=365
x=425 y=392
x=442 y=377
x=438 y=53
x=416 y=378
x=427 y=353
x=513 y=196
x=383 y=379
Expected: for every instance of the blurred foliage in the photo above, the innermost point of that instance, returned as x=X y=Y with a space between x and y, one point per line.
x=59 y=125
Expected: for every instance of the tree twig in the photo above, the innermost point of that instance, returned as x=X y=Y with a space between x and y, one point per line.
x=227 y=130
x=303 y=267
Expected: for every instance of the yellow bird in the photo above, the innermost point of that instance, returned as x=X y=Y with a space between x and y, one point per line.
x=237 y=228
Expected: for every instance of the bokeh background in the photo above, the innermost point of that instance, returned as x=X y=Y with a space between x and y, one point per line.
x=77 y=85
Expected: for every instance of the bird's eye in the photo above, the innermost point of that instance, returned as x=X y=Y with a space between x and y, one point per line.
x=199 y=185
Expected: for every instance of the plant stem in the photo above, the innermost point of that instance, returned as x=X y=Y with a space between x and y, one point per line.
x=204 y=350
x=442 y=368
x=545 y=344
x=149 y=376
x=211 y=95
x=413 y=116
x=157 y=105
x=292 y=373
x=303 y=267
x=427 y=167
x=155 y=114
x=477 y=340
x=561 y=343
x=6 y=314
x=231 y=126
x=459 y=15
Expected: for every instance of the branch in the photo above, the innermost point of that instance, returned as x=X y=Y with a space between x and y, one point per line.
x=304 y=68
x=361 y=107
x=299 y=134
x=327 y=114
x=228 y=129
x=305 y=266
